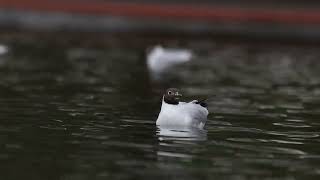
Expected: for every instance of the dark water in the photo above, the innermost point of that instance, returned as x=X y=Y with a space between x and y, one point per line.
x=76 y=109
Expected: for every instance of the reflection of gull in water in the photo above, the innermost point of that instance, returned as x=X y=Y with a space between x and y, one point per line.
x=184 y=134
x=160 y=60
x=178 y=143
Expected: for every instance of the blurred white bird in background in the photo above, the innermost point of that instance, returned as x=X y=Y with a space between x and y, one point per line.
x=161 y=59
x=3 y=49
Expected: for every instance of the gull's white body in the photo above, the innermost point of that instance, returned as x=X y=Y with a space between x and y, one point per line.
x=160 y=59
x=182 y=115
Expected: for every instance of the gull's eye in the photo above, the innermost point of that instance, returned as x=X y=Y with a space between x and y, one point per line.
x=170 y=93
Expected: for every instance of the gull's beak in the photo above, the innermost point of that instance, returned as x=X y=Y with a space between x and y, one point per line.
x=177 y=94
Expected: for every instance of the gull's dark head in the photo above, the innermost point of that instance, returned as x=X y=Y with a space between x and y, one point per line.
x=172 y=96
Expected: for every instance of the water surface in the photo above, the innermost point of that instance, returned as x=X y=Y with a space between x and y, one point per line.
x=76 y=109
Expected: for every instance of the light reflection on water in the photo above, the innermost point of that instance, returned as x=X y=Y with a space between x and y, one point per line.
x=75 y=111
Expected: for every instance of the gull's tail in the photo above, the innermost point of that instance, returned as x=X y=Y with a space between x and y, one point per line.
x=203 y=102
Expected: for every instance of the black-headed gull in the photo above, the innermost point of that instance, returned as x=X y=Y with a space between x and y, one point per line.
x=177 y=114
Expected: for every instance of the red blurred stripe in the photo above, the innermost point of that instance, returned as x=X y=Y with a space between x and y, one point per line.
x=168 y=11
